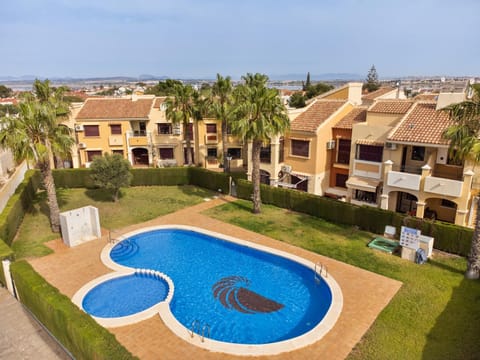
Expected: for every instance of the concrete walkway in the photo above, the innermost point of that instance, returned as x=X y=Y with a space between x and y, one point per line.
x=21 y=337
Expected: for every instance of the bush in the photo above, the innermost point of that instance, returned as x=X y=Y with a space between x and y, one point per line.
x=76 y=330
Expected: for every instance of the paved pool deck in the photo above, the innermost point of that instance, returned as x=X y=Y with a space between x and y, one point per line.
x=365 y=294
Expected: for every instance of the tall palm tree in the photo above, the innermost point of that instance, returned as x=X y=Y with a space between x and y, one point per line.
x=36 y=136
x=223 y=108
x=465 y=143
x=260 y=115
x=181 y=109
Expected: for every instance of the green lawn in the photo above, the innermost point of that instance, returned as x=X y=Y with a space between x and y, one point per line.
x=436 y=313
x=136 y=204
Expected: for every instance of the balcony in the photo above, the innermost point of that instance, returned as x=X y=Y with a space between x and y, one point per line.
x=442 y=186
x=138 y=138
x=404 y=180
x=368 y=169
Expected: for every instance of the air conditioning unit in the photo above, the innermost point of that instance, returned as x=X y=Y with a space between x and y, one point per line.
x=287 y=169
x=391 y=146
x=330 y=144
x=78 y=127
x=82 y=145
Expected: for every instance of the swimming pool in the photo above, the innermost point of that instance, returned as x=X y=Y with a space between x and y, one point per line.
x=229 y=293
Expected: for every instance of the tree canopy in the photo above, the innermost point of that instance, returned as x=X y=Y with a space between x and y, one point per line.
x=5 y=92
x=111 y=172
x=372 y=82
x=163 y=88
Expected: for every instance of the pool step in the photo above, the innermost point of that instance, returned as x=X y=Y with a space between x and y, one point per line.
x=124 y=250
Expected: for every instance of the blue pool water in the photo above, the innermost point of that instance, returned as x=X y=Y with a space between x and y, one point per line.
x=245 y=295
x=108 y=298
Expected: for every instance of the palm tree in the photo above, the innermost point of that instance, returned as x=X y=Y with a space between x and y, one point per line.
x=260 y=115
x=222 y=107
x=181 y=108
x=37 y=136
x=465 y=143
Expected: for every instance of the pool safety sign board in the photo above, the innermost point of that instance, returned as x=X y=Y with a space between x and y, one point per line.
x=410 y=238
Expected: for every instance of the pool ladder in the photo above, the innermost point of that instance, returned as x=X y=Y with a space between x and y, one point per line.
x=110 y=239
x=196 y=325
x=318 y=271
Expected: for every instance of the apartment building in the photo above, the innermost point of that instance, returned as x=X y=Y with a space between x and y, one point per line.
x=137 y=128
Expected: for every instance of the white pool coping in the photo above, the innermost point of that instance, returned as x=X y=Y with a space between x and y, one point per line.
x=163 y=308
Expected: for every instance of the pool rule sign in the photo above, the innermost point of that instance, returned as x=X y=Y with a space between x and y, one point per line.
x=410 y=237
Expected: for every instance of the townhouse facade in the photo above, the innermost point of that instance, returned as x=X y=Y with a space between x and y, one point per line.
x=382 y=151
x=137 y=128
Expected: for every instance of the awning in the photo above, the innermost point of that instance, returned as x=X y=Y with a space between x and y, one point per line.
x=370 y=142
x=364 y=184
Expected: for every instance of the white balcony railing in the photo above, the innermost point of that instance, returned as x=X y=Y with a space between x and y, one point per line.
x=368 y=169
x=403 y=180
x=443 y=186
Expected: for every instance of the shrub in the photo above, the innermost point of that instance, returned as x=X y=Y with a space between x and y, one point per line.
x=76 y=330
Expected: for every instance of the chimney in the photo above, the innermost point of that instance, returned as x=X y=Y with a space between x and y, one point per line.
x=355 y=93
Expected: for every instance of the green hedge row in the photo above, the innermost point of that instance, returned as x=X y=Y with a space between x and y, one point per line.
x=76 y=330
x=73 y=178
x=160 y=176
x=448 y=237
x=17 y=205
x=5 y=253
x=209 y=179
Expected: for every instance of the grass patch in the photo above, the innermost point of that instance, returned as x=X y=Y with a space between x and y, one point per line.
x=136 y=204
x=436 y=313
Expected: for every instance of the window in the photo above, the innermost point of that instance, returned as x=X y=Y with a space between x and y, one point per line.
x=370 y=153
x=343 y=155
x=366 y=196
x=235 y=153
x=212 y=152
x=300 y=148
x=119 y=152
x=281 y=154
x=164 y=129
x=116 y=129
x=91 y=130
x=418 y=153
x=211 y=128
x=166 y=153
x=190 y=131
x=265 y=154
x=92 y=153
x=341 y=180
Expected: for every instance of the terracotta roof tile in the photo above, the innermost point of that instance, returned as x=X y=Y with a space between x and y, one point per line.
x=377 y=93
x=423 y=124
x=315 y=115
x=391 y=106
x=115 y=109
x=355 y=116
x=370 y=142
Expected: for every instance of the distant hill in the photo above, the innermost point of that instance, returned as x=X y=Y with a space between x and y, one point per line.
x=317 y=77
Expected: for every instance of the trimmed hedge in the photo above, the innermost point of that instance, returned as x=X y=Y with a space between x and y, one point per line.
x=76 y=330
x=73 y=178
x=209 y=179
x=17 y=205
x=160 y=176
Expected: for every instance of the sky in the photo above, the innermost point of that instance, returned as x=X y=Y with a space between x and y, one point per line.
x=198 y=39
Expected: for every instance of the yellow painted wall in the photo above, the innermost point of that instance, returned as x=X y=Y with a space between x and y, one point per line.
x=377 y=119
x=341 y=94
